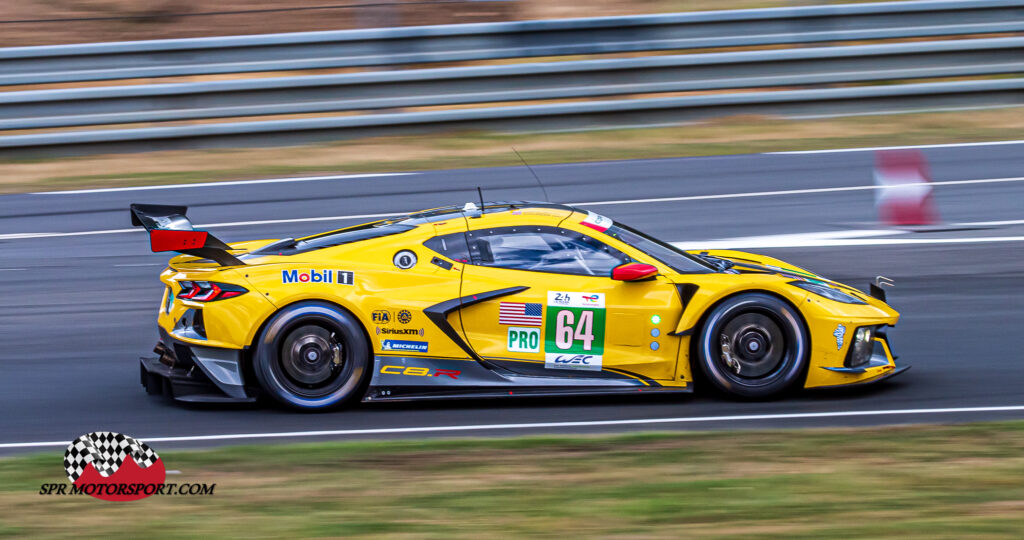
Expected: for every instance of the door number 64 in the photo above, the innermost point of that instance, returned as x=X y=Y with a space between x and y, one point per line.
x=565 y=334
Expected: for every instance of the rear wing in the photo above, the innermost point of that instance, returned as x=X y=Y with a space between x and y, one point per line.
x=170 y=230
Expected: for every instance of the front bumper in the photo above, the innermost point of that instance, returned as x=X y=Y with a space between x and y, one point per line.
x=194 y=373
x=881 y=366
x=888 y=374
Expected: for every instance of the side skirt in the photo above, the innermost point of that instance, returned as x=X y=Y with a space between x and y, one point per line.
x=397 y=378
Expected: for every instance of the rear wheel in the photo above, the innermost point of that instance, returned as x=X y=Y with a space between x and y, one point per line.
x=753 y=345
x=312 y=356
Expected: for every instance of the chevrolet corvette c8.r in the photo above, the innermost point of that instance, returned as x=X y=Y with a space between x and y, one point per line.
x=503 y=299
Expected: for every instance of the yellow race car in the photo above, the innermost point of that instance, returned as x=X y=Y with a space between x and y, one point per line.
x=501 y=299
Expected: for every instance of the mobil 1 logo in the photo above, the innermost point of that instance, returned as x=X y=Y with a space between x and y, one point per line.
x=574 y=331
x=341 y=277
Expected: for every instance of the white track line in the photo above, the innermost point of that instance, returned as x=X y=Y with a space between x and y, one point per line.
x=992 y=223
x=24 y=236
x=540 y=425
x=231 y=183
x=800 y=191
x=874 y=148
x=825 y=240
x=19 y=236
x=300 y=220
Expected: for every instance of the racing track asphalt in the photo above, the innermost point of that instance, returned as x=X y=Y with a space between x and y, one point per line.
x=76 y=311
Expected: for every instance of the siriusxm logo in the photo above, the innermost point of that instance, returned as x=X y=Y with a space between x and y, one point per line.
x=401 y=331
x=340 y=277
x=405 y=346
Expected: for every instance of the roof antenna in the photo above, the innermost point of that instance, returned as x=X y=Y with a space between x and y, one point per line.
x=541 y=184
x=480 y=192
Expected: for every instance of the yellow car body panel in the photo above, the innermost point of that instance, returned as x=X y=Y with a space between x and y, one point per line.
x=648 y=326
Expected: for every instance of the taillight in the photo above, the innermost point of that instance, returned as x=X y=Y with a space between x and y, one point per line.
x=208 y=291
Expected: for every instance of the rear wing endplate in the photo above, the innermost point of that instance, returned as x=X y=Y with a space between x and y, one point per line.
x=170 y=230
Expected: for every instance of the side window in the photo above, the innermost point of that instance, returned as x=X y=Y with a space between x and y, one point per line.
x=543 y=249
x=452 y=246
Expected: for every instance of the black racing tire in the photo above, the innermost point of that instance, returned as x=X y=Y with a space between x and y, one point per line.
x=768 y=346
x=313 y=356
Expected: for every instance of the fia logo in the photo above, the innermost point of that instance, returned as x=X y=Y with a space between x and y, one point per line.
x=381 y=316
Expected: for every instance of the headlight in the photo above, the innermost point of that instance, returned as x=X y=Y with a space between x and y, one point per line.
x=862 y=348
x=821 y=289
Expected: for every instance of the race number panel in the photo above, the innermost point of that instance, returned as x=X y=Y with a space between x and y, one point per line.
x=574 y=330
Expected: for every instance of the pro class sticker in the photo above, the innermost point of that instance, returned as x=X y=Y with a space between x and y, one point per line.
x=574 y=331
x=522 y=339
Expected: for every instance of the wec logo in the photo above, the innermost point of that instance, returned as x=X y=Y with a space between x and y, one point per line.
x=340 y=277
x=576 y=359
x=585 y=362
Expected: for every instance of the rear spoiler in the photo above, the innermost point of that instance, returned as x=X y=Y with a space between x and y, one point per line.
x=170 y=230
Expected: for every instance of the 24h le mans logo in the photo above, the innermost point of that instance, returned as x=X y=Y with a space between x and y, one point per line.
x=104 y=459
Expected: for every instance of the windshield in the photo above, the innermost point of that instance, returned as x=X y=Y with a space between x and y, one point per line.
x=675 y=258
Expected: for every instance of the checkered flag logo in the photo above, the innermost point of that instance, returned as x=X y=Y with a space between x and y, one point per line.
x=106 y=451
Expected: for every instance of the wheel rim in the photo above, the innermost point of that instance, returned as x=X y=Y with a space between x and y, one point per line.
x=312 y=358
x=752 y=346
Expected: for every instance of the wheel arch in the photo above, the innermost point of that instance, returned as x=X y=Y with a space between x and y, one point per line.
x=250 y=349
x=698 y=327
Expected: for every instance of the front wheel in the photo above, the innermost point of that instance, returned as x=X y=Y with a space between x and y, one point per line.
x=753 y=345
x=312 y=356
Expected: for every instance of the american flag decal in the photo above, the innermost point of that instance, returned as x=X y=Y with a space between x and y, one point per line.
x=521 y=314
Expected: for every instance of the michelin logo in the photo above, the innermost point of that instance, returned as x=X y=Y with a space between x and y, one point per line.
x=404 y=346
x=341 y=277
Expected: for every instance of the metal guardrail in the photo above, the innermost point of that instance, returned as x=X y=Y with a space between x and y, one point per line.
x=450 y=43
x=780 y=69
x=560 y=116
x=509 y=83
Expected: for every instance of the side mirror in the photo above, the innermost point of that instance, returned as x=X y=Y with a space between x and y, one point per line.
x=634 y=272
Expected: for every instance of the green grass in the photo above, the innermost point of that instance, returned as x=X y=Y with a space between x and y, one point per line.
x=911 y=482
